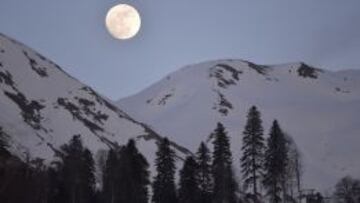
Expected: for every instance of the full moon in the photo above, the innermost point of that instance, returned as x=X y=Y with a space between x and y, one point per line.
x=123 y=21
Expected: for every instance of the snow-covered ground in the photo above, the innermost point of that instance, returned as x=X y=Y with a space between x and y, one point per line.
x=42 y=107
x=320 y=109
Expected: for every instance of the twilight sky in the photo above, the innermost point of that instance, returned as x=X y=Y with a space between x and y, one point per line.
x=174 y=33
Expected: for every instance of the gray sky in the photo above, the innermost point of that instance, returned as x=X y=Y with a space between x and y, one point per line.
x=174 y=33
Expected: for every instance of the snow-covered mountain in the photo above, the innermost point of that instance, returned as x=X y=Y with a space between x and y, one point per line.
x=42 y=107
x=320 y=109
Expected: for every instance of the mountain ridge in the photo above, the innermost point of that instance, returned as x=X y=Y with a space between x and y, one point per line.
x=310 y=103
x=43 y=107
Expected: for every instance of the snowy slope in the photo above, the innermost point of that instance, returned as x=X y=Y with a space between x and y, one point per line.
x=42 y=107
x=320 y=109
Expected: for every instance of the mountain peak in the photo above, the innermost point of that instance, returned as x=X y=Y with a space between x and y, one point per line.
x=43 y=107
x=311 y=104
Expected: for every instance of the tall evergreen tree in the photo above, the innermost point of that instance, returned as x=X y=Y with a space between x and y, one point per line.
x=188 y=191
x=77 y=171
x=140 y=174
x=204 y=174
x=110 y=177
x=134 y=175
x=253 y=150
x=224 y=182
x=293 y=170
x=88 y=177
x=275 y=163
x=56 y=184
x=164 y=190
x=125 y=176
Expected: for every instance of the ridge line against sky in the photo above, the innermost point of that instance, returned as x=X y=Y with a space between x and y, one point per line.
x=324 y=33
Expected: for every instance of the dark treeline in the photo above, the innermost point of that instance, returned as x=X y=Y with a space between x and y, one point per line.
x=271 y=171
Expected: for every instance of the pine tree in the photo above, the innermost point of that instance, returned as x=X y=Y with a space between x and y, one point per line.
x=188 y=191
x=56 y=184
x=224 y=183
x=123 y=182
x=293 y=169
x=88 y=178
x=275 y=163
x=253 y=150
x=204 y=174
x=125 y=175
x=134 y=175
x=77 y=172
x=140 y=168
x=164 y=190
x=110 y=175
